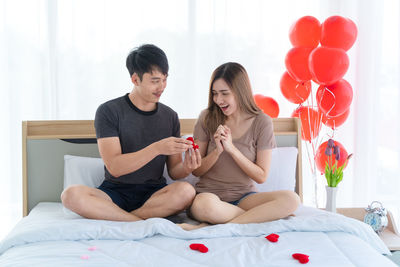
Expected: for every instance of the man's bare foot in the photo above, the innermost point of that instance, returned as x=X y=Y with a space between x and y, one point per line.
x=189 y=227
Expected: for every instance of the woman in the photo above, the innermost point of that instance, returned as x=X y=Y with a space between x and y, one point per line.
x=235 y=139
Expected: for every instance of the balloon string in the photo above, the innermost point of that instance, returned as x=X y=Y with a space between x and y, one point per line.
x=310 y=160
x=311 y=152
x=334 y=99
x=308 y=86
x=313 y=123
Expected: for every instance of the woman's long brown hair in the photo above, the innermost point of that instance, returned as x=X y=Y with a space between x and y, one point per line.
x=238 y=81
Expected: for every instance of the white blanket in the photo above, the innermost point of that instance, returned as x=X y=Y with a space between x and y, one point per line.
x=156 y=238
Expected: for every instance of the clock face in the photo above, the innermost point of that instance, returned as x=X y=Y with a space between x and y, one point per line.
x=374 y=220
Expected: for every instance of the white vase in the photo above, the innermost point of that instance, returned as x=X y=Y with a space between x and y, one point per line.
x=331 y=198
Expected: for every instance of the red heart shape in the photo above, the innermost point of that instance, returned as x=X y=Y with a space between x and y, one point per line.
x=268 y=105
x=199 y=247
x=296 y=62
x=272 y=237
x=203 y=249
x=294 y=91
x=339 y=32
x=194 y=246
x=299 y=255
x=328 y=65
x=306 y=32
x=335 y=99
x=193 y=143
x=302 y=258
x=310 y=121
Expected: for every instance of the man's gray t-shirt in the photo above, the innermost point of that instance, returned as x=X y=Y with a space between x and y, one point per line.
x=137 y=129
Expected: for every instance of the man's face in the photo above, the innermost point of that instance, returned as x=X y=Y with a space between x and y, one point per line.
x=151 y=86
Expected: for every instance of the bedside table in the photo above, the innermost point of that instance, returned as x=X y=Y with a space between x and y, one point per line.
x=390 y=236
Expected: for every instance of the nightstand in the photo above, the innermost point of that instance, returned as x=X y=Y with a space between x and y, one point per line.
x=390 y=236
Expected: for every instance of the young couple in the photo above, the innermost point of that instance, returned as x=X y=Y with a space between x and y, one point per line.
x=137 y=135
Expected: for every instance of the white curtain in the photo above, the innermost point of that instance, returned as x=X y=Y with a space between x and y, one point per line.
x=61 y=59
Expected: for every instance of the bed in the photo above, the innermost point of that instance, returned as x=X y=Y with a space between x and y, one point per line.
x=50 y=235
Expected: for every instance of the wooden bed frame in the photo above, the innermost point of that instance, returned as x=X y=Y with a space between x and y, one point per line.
x=44 y=144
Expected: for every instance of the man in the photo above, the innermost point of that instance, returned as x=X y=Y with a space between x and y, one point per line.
x=136 y=136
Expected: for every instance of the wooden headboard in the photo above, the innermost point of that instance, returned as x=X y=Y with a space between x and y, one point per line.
x=44 y=144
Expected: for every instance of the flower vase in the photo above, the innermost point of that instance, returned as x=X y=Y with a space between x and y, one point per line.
x=331 y=198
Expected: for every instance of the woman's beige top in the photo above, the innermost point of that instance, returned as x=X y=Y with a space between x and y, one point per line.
x=225 y=178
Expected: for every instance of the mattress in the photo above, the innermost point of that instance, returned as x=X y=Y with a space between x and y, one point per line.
x=50 y=237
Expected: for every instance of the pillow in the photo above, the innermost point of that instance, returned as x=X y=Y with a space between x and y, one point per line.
x=90 y=171
x=282 y=173
x=83 y=170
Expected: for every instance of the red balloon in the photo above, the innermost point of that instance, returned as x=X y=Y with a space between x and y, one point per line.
x=328 y=65
x=321 y=158
x=268 y=105
x=306 y=32
x=338 y=32
x=296 y=62
x=334 y=99
x=294 y=91
x=310 y=122
x=335 y=122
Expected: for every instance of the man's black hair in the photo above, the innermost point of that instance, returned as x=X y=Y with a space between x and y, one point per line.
x=147 y=58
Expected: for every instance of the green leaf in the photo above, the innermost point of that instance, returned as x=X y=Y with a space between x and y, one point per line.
x=341 y=168
x=340 y=177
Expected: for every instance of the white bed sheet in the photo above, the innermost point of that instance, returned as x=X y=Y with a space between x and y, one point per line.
x=49 y=237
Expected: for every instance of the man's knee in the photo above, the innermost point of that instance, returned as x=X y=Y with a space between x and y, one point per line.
x=71 y=195
x=184 y=194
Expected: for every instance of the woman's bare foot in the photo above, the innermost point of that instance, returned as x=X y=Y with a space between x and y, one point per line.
x=189 y=227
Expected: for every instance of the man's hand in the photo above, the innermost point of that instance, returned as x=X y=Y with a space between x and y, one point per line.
x=173 y=145
x=192 y=160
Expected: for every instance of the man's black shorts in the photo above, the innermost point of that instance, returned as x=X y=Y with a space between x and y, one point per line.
x=129 y=196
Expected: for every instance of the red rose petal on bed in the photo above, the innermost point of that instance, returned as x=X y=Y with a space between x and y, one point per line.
x=92 y=248
x=302 y=258
x=194 y=246
x=203 y=249
x=272 y=237
x=199 y=247
x=84 y=257
x=299 y=255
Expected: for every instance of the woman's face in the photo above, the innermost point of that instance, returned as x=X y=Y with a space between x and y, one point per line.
x=223 y=97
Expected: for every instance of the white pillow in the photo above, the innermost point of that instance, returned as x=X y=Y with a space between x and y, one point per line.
x=90 y=171
x=282 y=173
x=83 y=170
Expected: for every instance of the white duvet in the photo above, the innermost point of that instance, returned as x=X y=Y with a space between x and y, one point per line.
x=49 y=238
